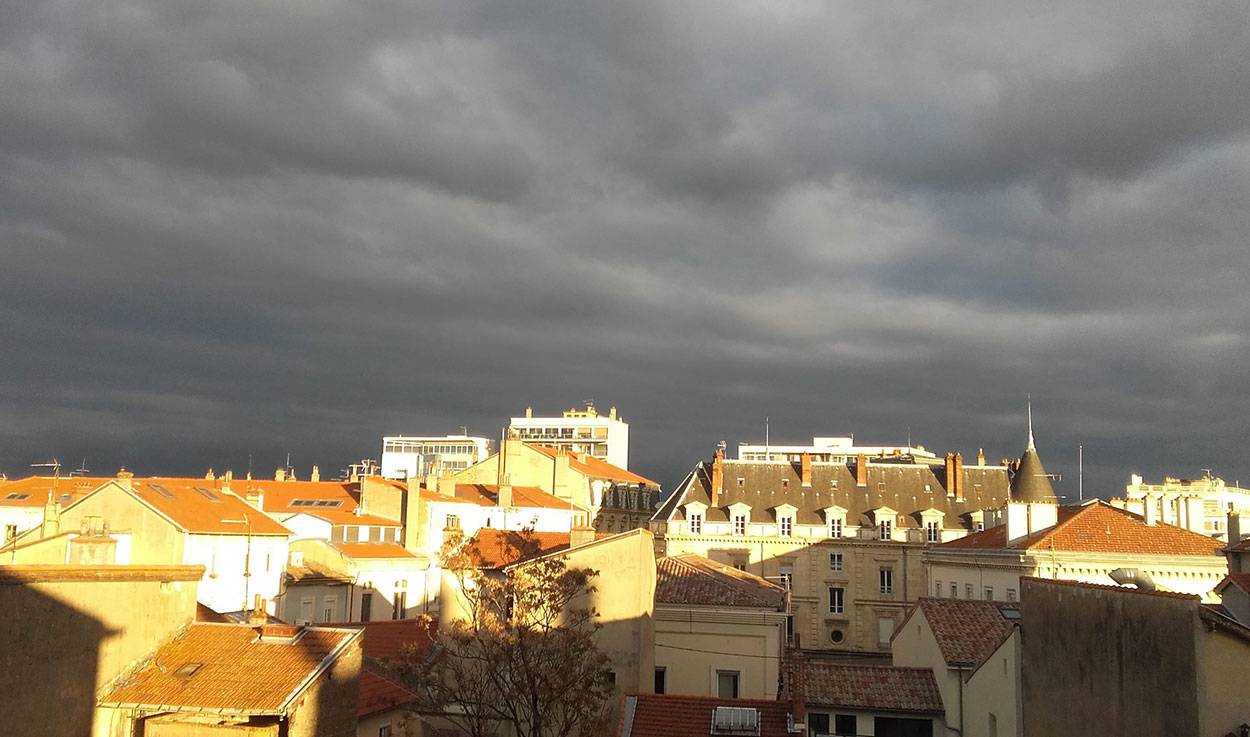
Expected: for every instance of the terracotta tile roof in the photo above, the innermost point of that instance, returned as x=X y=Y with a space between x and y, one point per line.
x=869 y=687
x=694 y=580
x=595 y=468
x=32 y=491
x=387 y=638
x=227 y=667
x=670 y=715
x=487 y=495
x=374 y=550
x=967 y=631
x=1241 y=547
x=280 y=497
x=493 y=548
x=205 y=614
x=1097 y=527
x=197 y=506
x=379 y=693
x=1240 y=580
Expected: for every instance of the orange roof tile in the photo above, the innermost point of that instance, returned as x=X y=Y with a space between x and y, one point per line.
x=32 y=491
x=694 y=580
x=487 y=495
x=493 y=548
x=287 y=497
x=596 y=468
x=386 y=638
x=196 y=506
x=227 y=668
x=374 y=550
x=868 y=687
x=967 y=631
x=1097 y=527
x=670 y=715
x=379 y=693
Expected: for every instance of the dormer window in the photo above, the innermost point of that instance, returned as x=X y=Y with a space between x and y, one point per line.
x=885 y=529
x=740 y=524
x=835 y=528
x=695 y=522
x=933 y=531
x=785 y=526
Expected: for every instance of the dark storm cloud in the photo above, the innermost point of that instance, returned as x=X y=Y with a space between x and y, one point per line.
x=231 y=230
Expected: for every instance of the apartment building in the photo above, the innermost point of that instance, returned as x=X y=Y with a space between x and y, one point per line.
x=616 y=499
x=410 y=456
x=23 y=502
x=605 y=437
x=845 y=538
x=838 y=449
x=1201 y=505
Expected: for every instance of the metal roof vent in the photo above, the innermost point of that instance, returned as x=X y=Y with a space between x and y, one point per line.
x=735 y=720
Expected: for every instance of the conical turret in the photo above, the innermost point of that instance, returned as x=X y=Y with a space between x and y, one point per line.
x=1030 y=482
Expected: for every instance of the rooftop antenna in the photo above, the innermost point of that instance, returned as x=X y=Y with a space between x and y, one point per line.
x=1080 y=472
x=909 y=436
x=82 y=470
x=768 y=456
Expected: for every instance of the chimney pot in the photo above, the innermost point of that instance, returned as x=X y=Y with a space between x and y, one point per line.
x=315 y=475
x=279 y=475
x=581 y=535
x=210 y=476
x=126 y=479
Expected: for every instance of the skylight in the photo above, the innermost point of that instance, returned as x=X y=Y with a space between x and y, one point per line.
x=162 y=490
x=17 y=496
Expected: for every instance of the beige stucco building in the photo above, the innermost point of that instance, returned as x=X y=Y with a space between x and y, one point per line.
x=847 y=539
x=1201 y=505
x=718 y=631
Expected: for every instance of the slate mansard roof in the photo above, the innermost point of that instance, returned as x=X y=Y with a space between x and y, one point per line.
x=907 y=488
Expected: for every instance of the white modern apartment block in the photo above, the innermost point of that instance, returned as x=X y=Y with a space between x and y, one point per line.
x=841 y=449
x=605 y=437
x=1201 y=505
x=410 y=456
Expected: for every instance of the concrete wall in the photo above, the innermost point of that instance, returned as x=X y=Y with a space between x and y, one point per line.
x=1223 y=682
x=1099 y=661
x=66 y=630
x=992 y=694
x=327 y=708
x=915 y=647
x=227 y=558
x=692 y=644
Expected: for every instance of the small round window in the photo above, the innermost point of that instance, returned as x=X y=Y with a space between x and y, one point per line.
x=836 y=635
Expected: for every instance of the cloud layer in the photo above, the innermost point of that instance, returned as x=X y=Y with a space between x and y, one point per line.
x=232 y=230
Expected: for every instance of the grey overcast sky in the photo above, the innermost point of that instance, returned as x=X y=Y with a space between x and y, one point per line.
x=233 y=228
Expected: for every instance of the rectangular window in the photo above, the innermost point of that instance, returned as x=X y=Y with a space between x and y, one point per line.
x=787 y=575
x=327 y=613
x=452 y=523
x=400 y=607
x=366 y=606
x=835 y=561
x=886 y=529
x=835 y=528
x=836 y=600
x=968 y=591
x=790 y=628
x=696 y=524
x=740 y=564
x=933 y=532
x=954 y=591
x=10 y=532
x=887 y=580
x=659 y=680
x=384 y=730
x=817 y=724
x=740 y=524
x=845 y=724
x=885 y=630
x=989 y=593
x=1011 y=594
x=727 y=684
x=786 y=526
x=937 y=588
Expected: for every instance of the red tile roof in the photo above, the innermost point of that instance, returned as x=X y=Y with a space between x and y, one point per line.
x=595 y=468
x=205 y=614
x=1240 y=580
x=386 y=639
x=379 y=693
x=32 y=491
x=374 y=550
x=868 y=687
x=694 y=580
x=1096 y=527
x=279 y=497
x=226 y=668
x=967 y=630
x=487 y=495
x=197 y=506
x=492 y=548
x=669 y=715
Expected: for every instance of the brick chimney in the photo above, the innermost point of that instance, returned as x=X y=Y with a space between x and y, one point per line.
x=226 y=478
x=581 y=535
x=718 y=476
x=950 y=474
x=980 y=456
x=126 y=479
x=51 y=516
x=504 y=499
x=806 y=461
x=861 y=470
x=1234 y=527
x=959 y=477
x=210 y=476
x=279 y=475
x=315 y=476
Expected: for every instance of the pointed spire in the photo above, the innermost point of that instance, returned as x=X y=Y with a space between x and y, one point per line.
x=1031 y=445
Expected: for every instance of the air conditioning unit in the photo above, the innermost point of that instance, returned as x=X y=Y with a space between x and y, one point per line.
x=735 y=720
